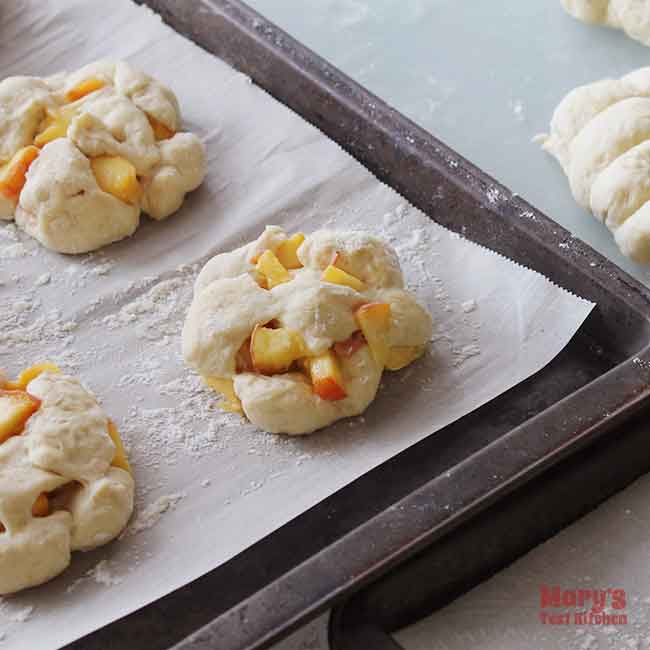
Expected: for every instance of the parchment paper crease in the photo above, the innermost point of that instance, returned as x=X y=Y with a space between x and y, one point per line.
x=207 y=482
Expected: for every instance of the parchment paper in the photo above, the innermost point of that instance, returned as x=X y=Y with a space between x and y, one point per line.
x=206 y=481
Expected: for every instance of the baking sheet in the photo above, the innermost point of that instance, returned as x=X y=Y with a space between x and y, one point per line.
x=205 y=480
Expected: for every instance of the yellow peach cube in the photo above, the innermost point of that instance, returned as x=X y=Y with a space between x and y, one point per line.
x=270 y=267
x=274 y=350
x=52 y=128
x=117 y=176
x=334 y=275
x=287 y=251
x=374 y=320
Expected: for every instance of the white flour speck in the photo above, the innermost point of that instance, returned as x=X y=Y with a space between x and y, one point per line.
x=468 y=306
x=15 y=613
x=151 y=515
x=517 y=107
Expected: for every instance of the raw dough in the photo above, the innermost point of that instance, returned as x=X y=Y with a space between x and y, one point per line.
x=65 y=443
x=228 y=303
x=600 y=134
x=632 y=16
x=61 y=203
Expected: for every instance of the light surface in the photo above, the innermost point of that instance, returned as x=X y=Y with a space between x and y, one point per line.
x=482 y=76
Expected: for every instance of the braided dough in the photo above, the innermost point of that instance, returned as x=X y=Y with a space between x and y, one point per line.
x=600 y=134
x=120 y=114
x=65 y=453
x=632 y=16
x=229 y=303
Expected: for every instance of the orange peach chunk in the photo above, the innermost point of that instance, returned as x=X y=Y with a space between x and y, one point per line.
x=84 y=88
x=13 y=173
x=41 y=507
x=326 y=377
x=161 y=131
x=30 y=374
x=16 y=407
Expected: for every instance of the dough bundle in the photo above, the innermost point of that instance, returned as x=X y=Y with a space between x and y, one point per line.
x=600 y=134
x=65 y=481
x=296 y=331
x=82 y=154
x=632 y=16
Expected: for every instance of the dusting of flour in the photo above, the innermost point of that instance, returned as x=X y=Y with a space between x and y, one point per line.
x=123 y=340
x=151 y=515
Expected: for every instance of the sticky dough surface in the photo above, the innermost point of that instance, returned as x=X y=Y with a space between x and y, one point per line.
x=228 y=303
x=61 y=203
x=65 y=443
x=632 y=16
x=600 y=134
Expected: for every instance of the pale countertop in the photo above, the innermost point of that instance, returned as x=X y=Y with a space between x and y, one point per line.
x=485 y=77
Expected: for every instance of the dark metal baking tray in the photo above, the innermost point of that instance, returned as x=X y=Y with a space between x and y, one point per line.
x=358 y=534
x=479 y=548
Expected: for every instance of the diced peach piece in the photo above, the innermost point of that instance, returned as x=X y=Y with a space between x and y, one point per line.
x=52 y=128
x=29 y=374
x=117 y=176
x=161 y=131
x=41 y=507
x=120 y=459
x=13 y=175
x=374 y=320
x=274 y=350
x=326 y=377
x=288 y=251
x=334 y=275
x=271 y=268
x=226 y=387
x=400 y=356
x=244 y=360
x=348 y=347
x=16 y=407
x=84 y=88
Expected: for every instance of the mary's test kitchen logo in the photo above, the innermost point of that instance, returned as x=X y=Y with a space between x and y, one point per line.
x=582 y=606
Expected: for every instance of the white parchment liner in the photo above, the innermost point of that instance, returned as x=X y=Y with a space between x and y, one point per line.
x=208 y=485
